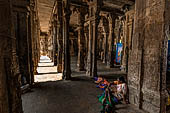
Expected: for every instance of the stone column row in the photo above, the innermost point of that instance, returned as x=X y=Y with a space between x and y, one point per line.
x=27 y=35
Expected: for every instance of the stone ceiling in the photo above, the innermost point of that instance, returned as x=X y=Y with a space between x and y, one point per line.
x=45 y=8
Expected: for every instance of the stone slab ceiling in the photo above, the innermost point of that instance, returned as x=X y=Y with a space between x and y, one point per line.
x=45 y=8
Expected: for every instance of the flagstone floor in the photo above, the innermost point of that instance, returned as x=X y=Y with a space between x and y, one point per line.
x=79 y=95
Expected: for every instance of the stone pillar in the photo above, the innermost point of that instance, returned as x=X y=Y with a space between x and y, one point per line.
x=86 y=34
x=59 y=33
x=30 y=48
x=35 y=43
x=106 y=30
x=94 y=49
x=147 y=58
x=66 y=55
x=89 y=57
x=94 y=19
x=81 y=39
x=23 y=46
x=60 y=47
x=55 y=40
x=111 y=56
x=31 y=33
x=128 y=24
x=10 y=95
x=52 y=42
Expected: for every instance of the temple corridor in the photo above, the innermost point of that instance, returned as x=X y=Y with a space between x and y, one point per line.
x=48 y=96
x=46 y=71
x=84 y=56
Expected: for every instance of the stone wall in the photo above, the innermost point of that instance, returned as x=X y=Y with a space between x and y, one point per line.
x=146 y=74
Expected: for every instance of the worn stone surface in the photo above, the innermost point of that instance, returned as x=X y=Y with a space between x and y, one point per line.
x=10 y=98
x=144 y=31
x=145 y=73
x=73 y=96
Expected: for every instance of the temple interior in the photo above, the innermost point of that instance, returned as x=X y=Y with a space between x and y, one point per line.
x=84 y=56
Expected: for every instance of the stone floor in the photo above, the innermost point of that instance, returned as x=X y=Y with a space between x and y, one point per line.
x=47 y=71
x=79 y=95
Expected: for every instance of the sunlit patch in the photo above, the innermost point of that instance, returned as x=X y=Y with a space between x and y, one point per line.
x=47 y=71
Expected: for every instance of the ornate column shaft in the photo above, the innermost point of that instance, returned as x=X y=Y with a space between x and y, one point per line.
x=94 y=10
x=10 y=95
x=81 y=40
x=111 y=56
x=30 y=48
x=55 y=40
x=94 y=49
x=59 y=36
x=66 y=55
x=106 y=30
x=23 y=46
x=89 y=57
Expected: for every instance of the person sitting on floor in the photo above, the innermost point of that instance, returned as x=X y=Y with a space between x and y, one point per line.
x=119 y=89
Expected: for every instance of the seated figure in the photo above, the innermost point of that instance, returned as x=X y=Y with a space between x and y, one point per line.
x=119 y=89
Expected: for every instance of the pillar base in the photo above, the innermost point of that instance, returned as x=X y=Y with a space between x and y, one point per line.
x=35 y=72
x=59 y=68
x=66 y=75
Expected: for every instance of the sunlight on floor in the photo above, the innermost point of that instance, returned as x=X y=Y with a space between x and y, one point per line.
x=47 y=71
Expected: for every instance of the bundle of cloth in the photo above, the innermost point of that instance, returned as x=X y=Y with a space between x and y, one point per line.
x=114 y=92
x=108 y=101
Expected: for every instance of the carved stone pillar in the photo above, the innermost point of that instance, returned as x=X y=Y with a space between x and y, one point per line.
x=81 y=40
x=66 y=55
x=128 y=24
x=23 y=46
x=111 y=56
x=59 y=36
x=94 y=49
x=60 y=47
x=106 y=30
x=30 y=48
x=86 y=34
x=35 y=44
x=89 y=57
x=10 y=95
x=55 y=41
x=31 y=23
x=94 y=9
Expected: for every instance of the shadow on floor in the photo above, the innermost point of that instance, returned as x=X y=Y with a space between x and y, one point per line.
x=47 y=73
